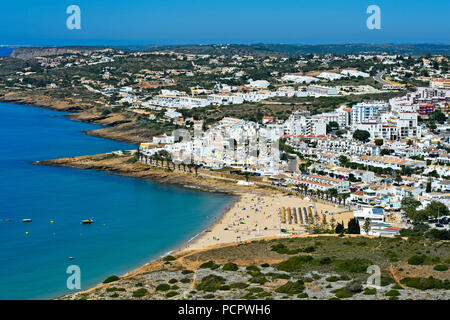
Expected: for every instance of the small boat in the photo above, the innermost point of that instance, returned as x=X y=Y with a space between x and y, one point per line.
x=26 y=220
x=71 y=258
x=87 y=221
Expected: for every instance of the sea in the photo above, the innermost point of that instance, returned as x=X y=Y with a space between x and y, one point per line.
x=6 y=51
x=135 y=220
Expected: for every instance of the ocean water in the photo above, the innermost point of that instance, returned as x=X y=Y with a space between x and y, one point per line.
x=5 y=51
x=135 y=220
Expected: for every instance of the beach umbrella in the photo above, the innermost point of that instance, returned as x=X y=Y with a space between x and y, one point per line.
x=289 y=215
x=300 y=217
x=294 y=213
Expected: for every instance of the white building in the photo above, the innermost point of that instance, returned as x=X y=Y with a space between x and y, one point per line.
x=298 y=124
x=354 y=73
x=374 y=214
x=365 y=112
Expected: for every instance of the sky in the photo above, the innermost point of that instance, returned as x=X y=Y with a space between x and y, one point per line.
x=142 y=22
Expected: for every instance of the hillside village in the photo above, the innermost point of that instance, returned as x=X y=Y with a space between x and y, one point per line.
x=367 y=131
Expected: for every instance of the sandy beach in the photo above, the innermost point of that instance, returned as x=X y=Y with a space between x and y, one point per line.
x=256 y=216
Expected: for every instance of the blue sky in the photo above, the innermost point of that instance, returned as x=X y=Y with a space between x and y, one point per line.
x=43 y=22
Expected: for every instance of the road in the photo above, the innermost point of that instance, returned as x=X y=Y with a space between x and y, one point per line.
x=379 y=78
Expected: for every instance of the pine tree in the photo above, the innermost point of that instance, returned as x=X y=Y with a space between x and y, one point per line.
x=339 y=228
x=353 y=227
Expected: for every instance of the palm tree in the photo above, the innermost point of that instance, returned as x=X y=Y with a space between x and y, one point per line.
x=316 y=218
x=345 y=196
x=324 y=221
x=165 y=156
x=138 y=154
x=196 y=167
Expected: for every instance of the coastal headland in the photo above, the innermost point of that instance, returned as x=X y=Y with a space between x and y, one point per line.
x=117 y=126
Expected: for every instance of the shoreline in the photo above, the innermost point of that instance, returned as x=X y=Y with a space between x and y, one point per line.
x=80 y=112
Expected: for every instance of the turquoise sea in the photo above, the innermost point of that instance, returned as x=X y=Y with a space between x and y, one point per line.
x=135 y=220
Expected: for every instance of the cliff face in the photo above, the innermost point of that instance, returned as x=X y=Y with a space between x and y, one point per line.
x=30 y=53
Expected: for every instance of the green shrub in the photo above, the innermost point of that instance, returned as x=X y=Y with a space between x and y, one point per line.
x=172 y=281
x=282 y=249
x=211 y=283
x=171 y=294
x=332 y=279
x=291 y=287
x=230 y=267
x=185 y=280
x=169 y=258
x=265 y=265
x=354 y=265
x=114 y=295
x=111 y=279
x=441 y=267
x=294 y=263
x=209 y=265
x=186 y=272
x=392 y=293
x=342 y=293
x=309 y=249
x=163 y=287
x=260 y=279
x=385 y=281
x=325 y=260
x=139 y=293
x=425 y=283
x=316 y=276
x=252 y=268
x=239 y=285
x=225 y=288
x=417 y=259
x=275 y=276
x=302 y=295
x=370 y=291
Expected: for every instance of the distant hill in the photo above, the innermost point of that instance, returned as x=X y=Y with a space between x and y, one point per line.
x=32 y=52
x=298 y=50
x=285 y=50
